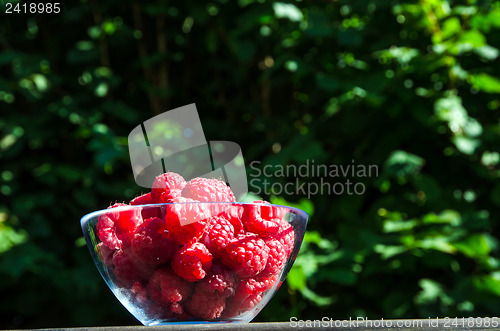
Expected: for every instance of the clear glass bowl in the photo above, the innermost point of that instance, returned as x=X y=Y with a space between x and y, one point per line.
x=135 y=254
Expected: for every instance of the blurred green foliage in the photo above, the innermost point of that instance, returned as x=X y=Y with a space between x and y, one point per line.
x=411 y=86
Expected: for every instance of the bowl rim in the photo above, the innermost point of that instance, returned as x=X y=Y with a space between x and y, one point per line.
x=86 y=218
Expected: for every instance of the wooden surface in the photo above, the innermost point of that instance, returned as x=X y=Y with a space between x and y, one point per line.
x=421 y=325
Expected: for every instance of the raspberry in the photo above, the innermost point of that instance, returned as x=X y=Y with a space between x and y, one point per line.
x=151 y=244
x=220 y=234
x=233 y=213
x=257 y=285
x=276 y=258
x=166 y=197
x=140 y=293
x=140 y=296
x=165 y=288
x=105 y=254
x=205 y=305
x=246 y=255
x=186 y=221
x=286 y=236
x=254 y=221
x=166 y=183
x=208 y=190
x=192 y=262
x=116 y=229
x=268 y=211
x=126 y=270
x=219 y=281
x=237 y=306
x=145 y=199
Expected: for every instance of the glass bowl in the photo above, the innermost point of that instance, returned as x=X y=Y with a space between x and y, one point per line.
x=194 y=262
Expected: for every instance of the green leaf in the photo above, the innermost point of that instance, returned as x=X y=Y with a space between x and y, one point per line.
x=487 y=22
x=389 y=251
x=451 y=110
x=473 y=38
x=439 y=243
x=484 y=82
x=466 y=145
x=403 y=55
x=317 y=299
x=10 y=237
x=431 y=291
x=474 y=246
x=397 y=226
x=490 y=159
x=451 y=217
x=287 y=10
x=403 y=164
x=489 y=284
x=451 y=27
x=473 y=128
x=296 y=278
x=308 y=261
x=312 y=237
x=488 y=52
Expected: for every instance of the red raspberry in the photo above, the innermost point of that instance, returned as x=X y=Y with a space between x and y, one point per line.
x=220 y=281
x=140 y=293
x=167 y=197
x=267 y=211
x=220 y=234
x=257 y=285
x=208 y=190
x=254 y=221
x=141 y=299
x=192 y=262
x=145 y=199
x=276 y=258
x=151 y=244
x=286 y=236
x=237 y=306
x=165 y=288
x=186 y=220
x=127 y=271
x=105 y=254
x=246 y=255
x=167 y=182
x=205 y=305
x=116 y=229
x=233 y=213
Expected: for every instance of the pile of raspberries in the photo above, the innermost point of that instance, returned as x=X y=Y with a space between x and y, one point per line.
x=194 y=260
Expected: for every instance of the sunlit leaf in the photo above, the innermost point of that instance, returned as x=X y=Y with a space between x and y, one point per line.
x=296 y=278
x=474 y=246
x=484 y=82
x=403 y=164
x=287 y=10
x=9 y=237
x=430 y=291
